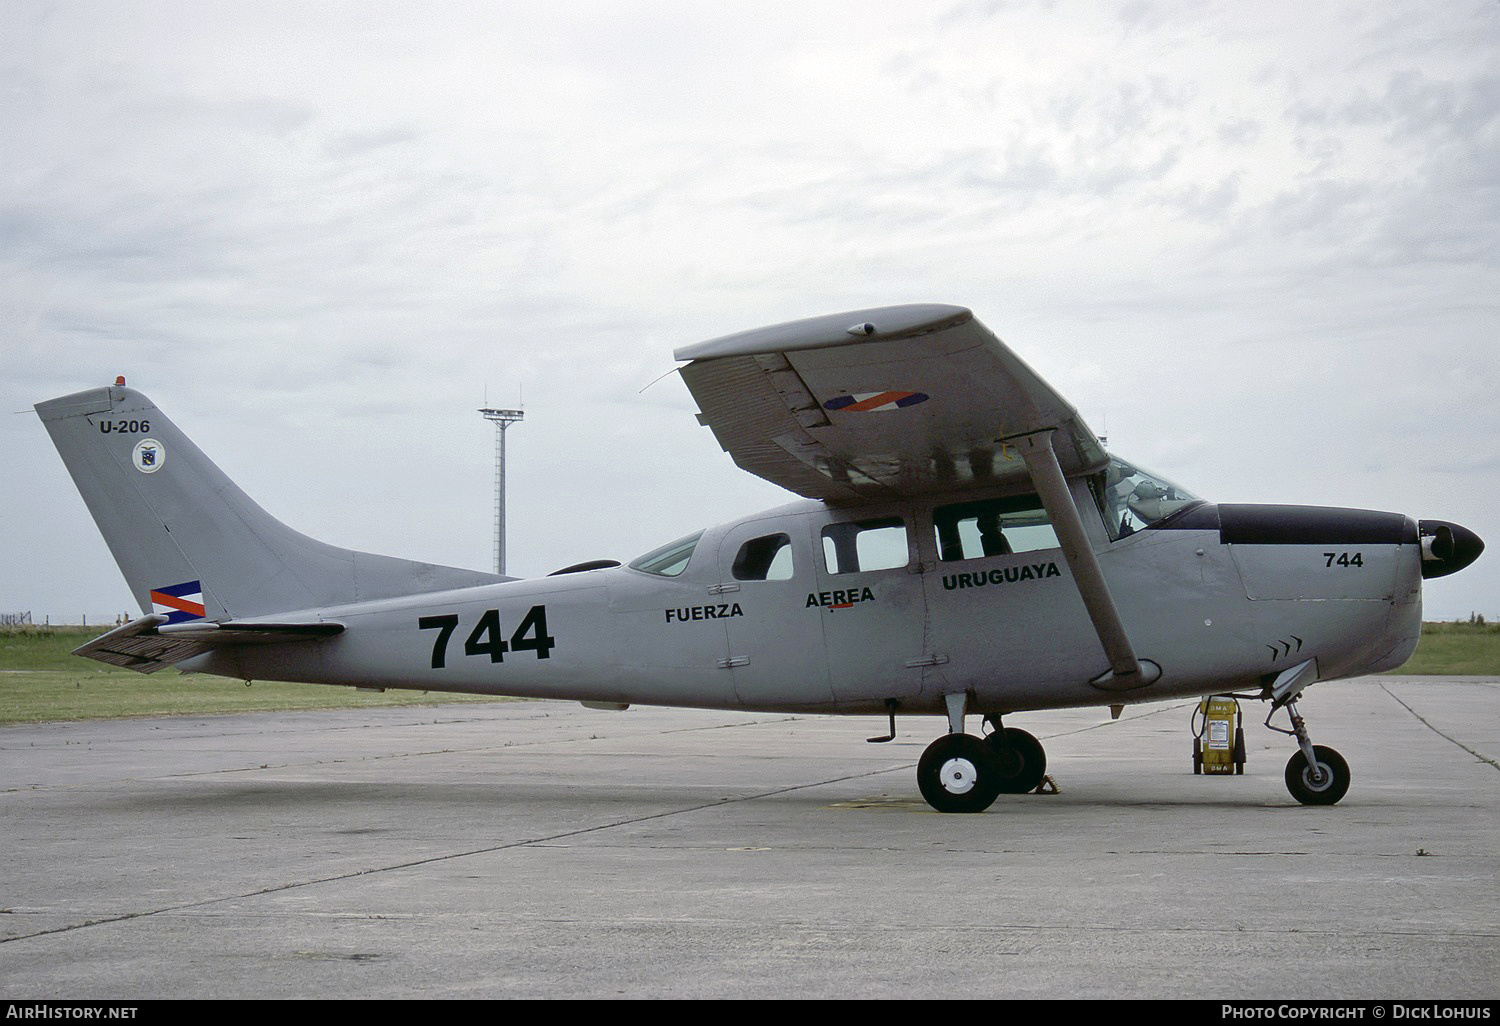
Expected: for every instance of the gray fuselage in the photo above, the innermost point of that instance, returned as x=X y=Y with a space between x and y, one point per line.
x=1220 y=597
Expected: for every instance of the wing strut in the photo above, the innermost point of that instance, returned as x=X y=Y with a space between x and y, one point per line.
x=1126 y=671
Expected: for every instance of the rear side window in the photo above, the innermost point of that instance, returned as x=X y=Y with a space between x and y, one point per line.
x=865 y=545
x=764 y=559
x=992 y=527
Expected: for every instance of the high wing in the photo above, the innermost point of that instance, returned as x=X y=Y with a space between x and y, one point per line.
x=889 y=402
x=902 y=401
x=149 y=643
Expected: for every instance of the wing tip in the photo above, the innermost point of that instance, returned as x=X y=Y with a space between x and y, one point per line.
x=877 y=324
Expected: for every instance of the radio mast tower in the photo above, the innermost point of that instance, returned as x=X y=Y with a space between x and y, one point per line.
x=502 y=419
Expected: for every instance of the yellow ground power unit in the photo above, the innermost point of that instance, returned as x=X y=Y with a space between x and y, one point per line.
x=1219 y=736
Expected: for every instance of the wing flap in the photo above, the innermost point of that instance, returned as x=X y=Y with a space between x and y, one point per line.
x=147 y=644
x=893 y=402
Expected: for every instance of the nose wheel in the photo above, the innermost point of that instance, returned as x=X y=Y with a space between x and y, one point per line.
x=1315 y=774
x=1321 y=781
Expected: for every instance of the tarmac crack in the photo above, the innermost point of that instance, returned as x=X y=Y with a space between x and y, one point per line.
x=1493 y=764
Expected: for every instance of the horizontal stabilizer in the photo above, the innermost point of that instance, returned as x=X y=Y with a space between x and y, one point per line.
x=147 y=644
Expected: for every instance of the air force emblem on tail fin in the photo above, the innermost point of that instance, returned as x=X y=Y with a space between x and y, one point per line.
x=148 y=456
x=181 y=602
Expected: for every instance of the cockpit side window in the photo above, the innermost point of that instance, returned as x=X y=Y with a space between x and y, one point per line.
x=1132 y=499
x=764 y=559
x=865 y=545
x=669 y=560
x=992 y=527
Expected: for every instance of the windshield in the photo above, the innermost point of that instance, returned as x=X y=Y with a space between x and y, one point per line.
x=1131 y=498
x=669 y=560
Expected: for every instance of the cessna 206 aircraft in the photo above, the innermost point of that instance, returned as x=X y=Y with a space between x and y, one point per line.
x=965 y=546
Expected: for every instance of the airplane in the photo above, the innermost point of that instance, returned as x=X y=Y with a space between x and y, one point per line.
x=963 y=546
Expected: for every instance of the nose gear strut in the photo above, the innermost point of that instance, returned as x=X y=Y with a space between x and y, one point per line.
x=1315 y=774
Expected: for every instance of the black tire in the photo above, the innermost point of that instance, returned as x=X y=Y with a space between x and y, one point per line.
x=1324 y=788
x=1020 y=760
x=957 y=773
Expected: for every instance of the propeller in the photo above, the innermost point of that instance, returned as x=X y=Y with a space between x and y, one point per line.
x=1447 y=548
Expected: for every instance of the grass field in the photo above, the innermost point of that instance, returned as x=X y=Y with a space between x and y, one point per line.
x=1457 y=649
x=41 y=680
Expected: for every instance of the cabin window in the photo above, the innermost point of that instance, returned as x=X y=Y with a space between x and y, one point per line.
x=669 y=560
x=992 y=527
x=1131 y=499
x=764 y=559
x=865 y=545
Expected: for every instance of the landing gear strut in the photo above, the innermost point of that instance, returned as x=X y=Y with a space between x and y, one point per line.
x=1315 y=774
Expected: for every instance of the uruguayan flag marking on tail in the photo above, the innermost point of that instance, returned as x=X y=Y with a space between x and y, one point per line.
x=179 y=601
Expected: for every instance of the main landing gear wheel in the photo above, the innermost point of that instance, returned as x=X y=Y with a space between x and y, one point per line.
x=1323 y=783
x=1020 y=760
x=959 y=773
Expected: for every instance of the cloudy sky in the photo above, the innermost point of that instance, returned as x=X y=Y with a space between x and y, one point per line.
x=1255 y=244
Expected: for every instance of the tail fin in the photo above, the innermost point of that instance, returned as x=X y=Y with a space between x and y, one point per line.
x=188 y=541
